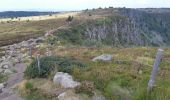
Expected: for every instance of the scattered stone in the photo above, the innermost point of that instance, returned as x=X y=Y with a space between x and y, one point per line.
x=69 y=95
x=104 y=57
x=1 y=60
x=1 y=87
x=98 y=97
x=1 y=70
x=39 y=40
x=6 y=64
x=7 y=71
x=65 y=80
x=24 y=44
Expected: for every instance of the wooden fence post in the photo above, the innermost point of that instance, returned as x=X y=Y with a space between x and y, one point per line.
x=30 y=51
x=155 y=70
x=38 y=63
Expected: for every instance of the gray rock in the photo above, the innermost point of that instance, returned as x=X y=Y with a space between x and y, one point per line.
x=5 y=67
x=39 y=40
x=1 y=87
x=104 y=57
x=69 y=95
x=1 y=70
x=98 y=97
x=65 y=80
x=24 y=44
x=1 y=60
x=6 y=64
x=7 y=71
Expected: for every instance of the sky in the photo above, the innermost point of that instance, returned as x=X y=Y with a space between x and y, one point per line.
x=70 y=5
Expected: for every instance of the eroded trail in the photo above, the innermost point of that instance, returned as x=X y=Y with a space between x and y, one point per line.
x=8 y=93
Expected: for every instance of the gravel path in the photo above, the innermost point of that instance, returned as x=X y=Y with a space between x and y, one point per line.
x=14 y=79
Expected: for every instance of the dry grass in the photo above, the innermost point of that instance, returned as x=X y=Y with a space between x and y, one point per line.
x=42 y=17
x=132 y=71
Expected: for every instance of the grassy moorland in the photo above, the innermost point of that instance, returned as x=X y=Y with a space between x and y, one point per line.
x=16 y=30
x=127 y=75
x=124 y=78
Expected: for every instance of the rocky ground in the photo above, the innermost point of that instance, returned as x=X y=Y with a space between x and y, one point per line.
x=12 y=64
x=7 y=92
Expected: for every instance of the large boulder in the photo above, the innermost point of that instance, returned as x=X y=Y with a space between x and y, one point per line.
x=65 y=80
x=103 y=57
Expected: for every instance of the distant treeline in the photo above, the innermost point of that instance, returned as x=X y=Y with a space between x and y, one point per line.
x=10 y=14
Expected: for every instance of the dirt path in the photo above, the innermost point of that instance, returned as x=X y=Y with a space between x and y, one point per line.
x=14 y=79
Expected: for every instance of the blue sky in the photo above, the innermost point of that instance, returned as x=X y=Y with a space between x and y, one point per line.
x=67 y=5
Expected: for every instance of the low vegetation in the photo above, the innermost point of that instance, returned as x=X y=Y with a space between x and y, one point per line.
x=3 y=78
x=76 y=43
x=50 y=64
x=29 y=91
x=123 y=78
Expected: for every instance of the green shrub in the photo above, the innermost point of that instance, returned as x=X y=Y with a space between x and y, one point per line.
x=28 y=85
x=2 y=78
x=86 y=87
x=69 y=19
x=90 y=43
x=72 y=36
x=52 y=39
x=67 y=65
x=51 y=63
x=114 y=91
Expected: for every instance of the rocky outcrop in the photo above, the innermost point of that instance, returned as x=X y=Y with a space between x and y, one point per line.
x=121 y=30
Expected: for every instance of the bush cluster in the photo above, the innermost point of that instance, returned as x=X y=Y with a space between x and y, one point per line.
x=48 y=64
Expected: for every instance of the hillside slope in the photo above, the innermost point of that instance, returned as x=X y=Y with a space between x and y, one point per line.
x=109 y=26
x=120 y=26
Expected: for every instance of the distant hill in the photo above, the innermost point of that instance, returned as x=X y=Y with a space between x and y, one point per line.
x=9 y=14
x=121 y=26
x=102 y=26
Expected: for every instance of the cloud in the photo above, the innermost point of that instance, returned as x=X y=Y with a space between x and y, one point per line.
x=143 y=1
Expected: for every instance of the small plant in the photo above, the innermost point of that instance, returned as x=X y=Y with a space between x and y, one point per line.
x=27 y=20
x=29 y=87
x=86 y=87
x=2 y=78
x=69 y=19
x=116 y=92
